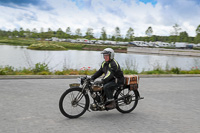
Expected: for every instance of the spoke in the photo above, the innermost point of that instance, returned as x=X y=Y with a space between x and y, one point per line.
x=126 y=100
x=82 y=103
x=72 y=96
x=81 y=106
x=74 y=102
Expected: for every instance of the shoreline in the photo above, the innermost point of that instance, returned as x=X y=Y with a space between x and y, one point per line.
x=163 y=51
x=121 y=49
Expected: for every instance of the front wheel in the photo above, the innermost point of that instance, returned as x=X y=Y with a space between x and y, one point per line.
x=73 y=103
x=126 y=100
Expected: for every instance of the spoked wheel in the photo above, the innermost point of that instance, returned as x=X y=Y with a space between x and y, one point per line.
x=127 y=100
x=73 y=103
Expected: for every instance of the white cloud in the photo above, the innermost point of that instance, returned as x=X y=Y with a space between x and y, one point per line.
x=106 y=13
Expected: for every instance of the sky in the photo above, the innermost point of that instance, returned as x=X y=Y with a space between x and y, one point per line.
x=161 y=15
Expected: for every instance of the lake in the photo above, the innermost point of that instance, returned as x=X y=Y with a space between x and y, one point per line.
x=19 y=57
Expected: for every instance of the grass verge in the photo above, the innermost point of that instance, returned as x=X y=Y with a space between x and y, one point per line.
x=42 y=69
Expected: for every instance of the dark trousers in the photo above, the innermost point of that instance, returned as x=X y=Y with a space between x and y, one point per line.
x=109 y=89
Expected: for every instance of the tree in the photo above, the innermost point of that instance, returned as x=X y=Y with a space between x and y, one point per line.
x=130 y=34
x=21 y=32
x=197 y=38
x=183 y=37
x=103 y=34
x=41 y=33
x=49 y=33
x=78 y=32
x=198 y=29
x=117 y=34
x=9 y=33
x=60 y=33
x=68 y=31
x=27 y=33
x=89 y=33
x=15 y=33
x=34 y=33
x=149 y=31
x=112 y=38
x=153 y=38
x=177 y=29
x=3 y=33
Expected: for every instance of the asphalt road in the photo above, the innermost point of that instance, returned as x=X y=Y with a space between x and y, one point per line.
x=171 y=105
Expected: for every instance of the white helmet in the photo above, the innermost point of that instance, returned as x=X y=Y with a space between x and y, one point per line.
x=109 y=51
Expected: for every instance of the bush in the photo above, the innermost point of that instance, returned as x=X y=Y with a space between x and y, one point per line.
x=26 y=71
x=176 y=70
x=184 y=72
x=195 y=71
x=44 y=73
x=7 y=70
x=2 y=71
x=40 y=67
x=74 y=73
x=59 y=73
x=46 y=46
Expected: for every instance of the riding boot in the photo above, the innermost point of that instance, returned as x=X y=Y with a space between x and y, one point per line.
x=112 y=105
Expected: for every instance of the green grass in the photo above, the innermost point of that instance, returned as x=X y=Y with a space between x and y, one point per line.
x=18 y=41
x=43 y=69
x=46 y=46
x=129 y=72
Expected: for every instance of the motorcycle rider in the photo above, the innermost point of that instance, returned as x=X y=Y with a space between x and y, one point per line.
x=113 y=76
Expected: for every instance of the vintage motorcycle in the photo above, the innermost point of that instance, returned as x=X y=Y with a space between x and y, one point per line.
x=75 y=101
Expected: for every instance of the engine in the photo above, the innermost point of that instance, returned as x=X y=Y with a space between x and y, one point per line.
x=98 y=101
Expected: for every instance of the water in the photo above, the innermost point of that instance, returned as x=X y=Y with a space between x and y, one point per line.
x=19 y=57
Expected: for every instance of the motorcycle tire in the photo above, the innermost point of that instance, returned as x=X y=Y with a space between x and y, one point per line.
x=72 y=100
x=125 y=100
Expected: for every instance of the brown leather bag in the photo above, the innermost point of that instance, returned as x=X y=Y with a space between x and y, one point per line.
x=132 y=80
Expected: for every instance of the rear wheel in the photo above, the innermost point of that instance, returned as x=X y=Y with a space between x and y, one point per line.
x=126 y=100
x=73 y=103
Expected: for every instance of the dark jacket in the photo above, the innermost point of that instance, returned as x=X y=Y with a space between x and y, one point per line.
x=111 y=72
